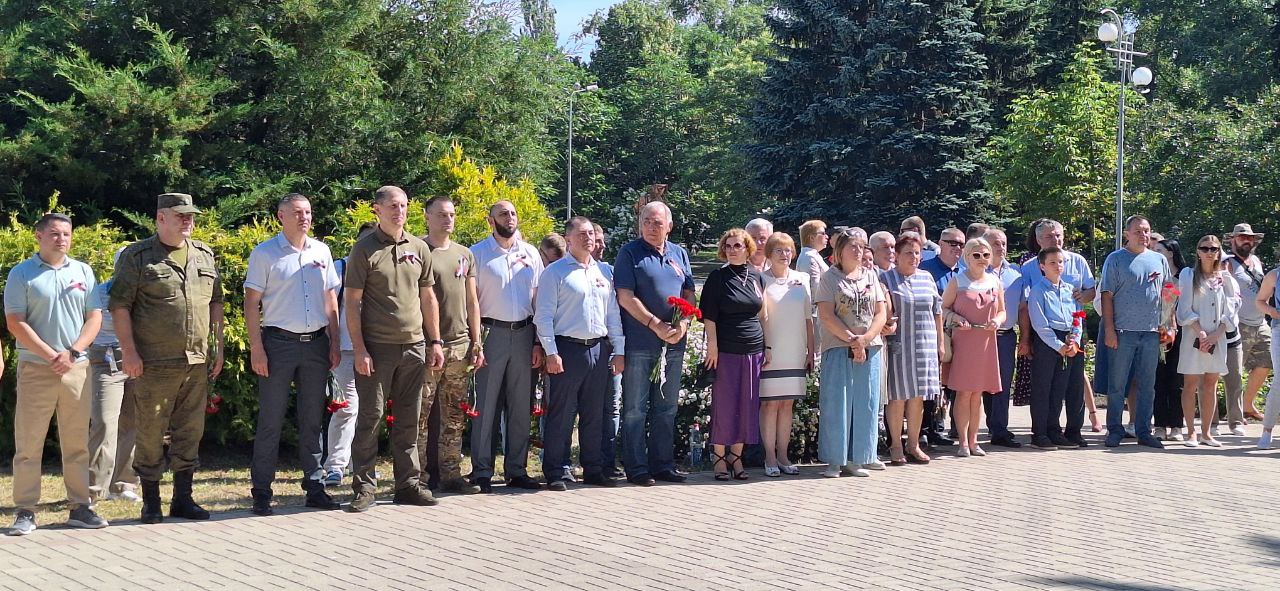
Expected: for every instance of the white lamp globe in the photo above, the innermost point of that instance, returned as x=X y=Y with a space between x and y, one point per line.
x=1142 y=76
x=1107 y=32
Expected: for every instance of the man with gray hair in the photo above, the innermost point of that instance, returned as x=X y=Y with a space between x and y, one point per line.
x=648 y=271
x=759 y=230
x=881 y=245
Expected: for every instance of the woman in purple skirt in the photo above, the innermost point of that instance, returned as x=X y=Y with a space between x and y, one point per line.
x=732 y=311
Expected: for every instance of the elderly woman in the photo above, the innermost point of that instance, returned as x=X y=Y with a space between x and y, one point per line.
x=974 y=304
x=787 y=303
x=1207 y=311
x=851 y=307
x=914 y=351
x=733 y=312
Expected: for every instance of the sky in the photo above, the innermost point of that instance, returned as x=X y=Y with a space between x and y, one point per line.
x=569 y=17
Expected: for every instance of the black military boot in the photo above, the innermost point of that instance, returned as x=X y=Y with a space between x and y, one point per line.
x=151 y=511
x=183 y=505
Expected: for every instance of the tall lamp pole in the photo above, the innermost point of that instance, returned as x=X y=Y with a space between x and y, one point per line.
x=573 y=93
x=1120 y=38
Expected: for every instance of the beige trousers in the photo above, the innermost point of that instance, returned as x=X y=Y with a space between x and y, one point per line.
x=41 y=395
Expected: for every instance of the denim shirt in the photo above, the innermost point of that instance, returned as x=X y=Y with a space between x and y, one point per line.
x=1050 y=307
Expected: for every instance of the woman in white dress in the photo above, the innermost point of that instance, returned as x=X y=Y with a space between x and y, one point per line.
x=788 y=303
x=1207 y=311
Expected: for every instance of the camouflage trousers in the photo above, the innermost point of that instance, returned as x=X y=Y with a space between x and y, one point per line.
x=442 y=420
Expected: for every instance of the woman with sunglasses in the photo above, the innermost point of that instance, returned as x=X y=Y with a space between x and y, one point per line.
x=851 y=307
x=733 y=311
x=973 y=305
x=1206 y=312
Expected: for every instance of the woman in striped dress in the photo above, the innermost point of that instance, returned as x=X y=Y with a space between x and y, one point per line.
x=914 y=350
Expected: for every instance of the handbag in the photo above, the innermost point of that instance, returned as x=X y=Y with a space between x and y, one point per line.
x=945 y=339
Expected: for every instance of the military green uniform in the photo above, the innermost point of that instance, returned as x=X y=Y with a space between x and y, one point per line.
x=168 y=303
x=442 y=420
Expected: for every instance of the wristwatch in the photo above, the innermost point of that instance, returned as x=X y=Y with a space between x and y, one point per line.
x=75 y=353
x=437 y=342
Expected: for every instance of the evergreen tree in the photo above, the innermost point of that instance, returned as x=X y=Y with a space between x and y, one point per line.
x=874 y=109
x=1009 y=30
x=1068 y=23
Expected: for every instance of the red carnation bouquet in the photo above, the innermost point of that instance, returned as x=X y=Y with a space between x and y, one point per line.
x=681 y=309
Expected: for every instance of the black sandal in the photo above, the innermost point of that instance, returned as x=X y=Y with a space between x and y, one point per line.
x=717 y=459
x=738 y=474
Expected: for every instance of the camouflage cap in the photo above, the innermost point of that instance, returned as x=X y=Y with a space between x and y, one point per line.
x=178 y=202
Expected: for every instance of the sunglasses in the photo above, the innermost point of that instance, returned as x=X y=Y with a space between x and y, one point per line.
x=734 y=246
x=1209 y=249
x=953 y=243
x=981 y=255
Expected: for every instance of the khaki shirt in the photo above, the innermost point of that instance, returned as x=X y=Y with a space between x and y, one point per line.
x=168 y=304
x=391 y=273
x=451 y=267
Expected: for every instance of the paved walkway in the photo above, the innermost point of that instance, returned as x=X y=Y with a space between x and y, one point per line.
x=1073 y=519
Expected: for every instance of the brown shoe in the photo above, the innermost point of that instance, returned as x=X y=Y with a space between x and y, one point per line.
x=415 y=495
x=459 y=486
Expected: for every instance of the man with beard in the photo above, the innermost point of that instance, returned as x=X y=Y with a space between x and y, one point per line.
x=507 y=271
x=1255 y=334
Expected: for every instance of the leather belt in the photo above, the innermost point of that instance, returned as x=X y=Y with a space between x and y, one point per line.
x=517 y=325
x=301 y=337
x=1004 y=331
x=583 y=342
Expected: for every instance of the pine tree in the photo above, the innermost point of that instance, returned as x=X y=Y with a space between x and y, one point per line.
x=1067 y=24
x=1009 y=31
x=874 y=110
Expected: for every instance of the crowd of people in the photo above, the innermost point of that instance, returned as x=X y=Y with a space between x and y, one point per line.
x=902 y=331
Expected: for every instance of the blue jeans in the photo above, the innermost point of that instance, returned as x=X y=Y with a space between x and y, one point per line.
x=1137 y=355
x=848 y=398
x=649 y=413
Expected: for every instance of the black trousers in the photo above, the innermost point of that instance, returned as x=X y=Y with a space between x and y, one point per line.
x=1056 y=381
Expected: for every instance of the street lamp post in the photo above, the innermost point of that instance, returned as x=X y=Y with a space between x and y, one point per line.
x=573 y=93
x=1120 y=38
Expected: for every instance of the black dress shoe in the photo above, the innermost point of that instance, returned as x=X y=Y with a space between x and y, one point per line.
x=600 y=480
x=939 y=440
x=319 y=499
x=641 y=480
x=558 y=484
x=485 y=483
x=523 y=482
x=1006 y=442
x=670 y=476
x=261 y=503
x=1078 y=441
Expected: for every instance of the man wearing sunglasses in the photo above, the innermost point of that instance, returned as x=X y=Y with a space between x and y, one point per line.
x=1255 y=334
x=941 y=268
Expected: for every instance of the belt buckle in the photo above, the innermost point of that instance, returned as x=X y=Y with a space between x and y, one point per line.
x=306 y=338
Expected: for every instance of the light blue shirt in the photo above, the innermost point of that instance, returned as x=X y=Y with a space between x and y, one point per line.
x=1134 y=281
x=107 y=335
x=1011 y=279
x=54 y=300
x=576 y=300
x=1075 y=270
x=1050 y=308
x=293 y=283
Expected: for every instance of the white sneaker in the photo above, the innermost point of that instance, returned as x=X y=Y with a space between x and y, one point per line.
x=876 y=465
x=1264 y=441
x=1191 y=442
x=978 y=451
x=1212 y=443
x=963 y=452
x=1175 y=434
x=1216 y=431
x=1238 y=430
x=861 y=473
x=831 y=473
x=127 y=495
x=1162 y=433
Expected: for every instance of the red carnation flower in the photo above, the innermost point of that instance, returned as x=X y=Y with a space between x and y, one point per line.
x=212 y=409
x=537 y=409
x=390 y=420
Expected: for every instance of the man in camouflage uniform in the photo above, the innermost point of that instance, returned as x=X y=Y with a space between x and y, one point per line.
x=166 y=299
x=442 y=418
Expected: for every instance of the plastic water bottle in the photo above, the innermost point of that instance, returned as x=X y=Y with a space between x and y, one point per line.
x=695 y=445
x=111 y=360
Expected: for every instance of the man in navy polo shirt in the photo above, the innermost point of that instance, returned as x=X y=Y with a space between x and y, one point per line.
x=648 y=271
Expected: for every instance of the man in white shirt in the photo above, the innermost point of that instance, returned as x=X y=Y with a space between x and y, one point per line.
x=291 y=317
x=507 y=271
x=581 y=331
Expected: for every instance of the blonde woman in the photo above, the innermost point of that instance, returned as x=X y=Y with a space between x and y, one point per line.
x=1207 y=311
x=973 y=305
x=851 y=306
x=791 y=351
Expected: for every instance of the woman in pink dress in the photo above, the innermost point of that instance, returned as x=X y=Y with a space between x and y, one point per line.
x=973 y=306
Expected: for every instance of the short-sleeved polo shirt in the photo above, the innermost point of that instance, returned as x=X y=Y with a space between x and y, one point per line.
x=653 y=277
x=451 y=266
x=293 y=283
x=55 y=301
x=391 y=272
